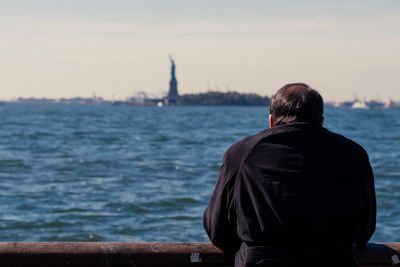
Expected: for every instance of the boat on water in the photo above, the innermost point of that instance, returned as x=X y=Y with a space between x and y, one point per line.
x=360 y=105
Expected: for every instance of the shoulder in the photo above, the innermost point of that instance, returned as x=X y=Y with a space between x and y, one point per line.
x=347 y=145
x=239 y=150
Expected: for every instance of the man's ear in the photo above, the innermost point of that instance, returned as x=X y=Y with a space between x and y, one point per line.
x=322 y=121
x=271 y=121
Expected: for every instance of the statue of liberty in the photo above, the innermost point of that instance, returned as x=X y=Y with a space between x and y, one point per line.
x=173 y=85
x=172 y=68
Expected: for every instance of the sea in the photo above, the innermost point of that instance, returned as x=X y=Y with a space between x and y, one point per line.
x=145 y=173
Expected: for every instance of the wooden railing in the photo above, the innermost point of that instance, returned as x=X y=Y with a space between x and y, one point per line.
x=148 y=254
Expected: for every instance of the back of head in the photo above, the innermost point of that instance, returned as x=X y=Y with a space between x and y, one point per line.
x=296 y=102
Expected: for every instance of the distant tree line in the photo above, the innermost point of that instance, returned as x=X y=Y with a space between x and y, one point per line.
x=219 y=98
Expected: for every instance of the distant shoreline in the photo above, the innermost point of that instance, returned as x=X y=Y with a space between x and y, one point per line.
x=211 y=98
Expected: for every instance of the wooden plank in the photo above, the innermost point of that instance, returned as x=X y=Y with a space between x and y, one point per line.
x=147 y=254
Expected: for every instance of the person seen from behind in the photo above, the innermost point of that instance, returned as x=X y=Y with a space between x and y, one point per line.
x=295 y=194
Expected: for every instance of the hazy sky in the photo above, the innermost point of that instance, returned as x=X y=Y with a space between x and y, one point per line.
x=117 y=48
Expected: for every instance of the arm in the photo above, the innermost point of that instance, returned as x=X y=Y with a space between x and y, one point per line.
x=369 y=218
x=218 y=214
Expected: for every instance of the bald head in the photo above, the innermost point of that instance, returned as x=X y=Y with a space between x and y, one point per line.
x=296 y=102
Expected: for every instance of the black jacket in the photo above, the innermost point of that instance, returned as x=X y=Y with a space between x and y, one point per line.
x=292 y=186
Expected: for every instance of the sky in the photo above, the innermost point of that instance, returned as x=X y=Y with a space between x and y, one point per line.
x=115 y=49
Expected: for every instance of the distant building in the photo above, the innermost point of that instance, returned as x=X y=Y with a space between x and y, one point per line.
x=172 y=96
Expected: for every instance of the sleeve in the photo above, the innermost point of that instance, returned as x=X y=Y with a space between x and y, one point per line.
x=369 y=218
x=218 y=214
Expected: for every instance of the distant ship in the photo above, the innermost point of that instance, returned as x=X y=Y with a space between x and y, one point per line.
x=359 y=105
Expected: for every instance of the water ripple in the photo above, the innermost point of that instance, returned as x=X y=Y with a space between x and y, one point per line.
x=99 y=173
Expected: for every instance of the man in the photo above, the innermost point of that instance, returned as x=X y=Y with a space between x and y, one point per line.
x=295 y=194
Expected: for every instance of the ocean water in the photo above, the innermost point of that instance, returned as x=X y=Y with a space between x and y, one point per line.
x=129 y=173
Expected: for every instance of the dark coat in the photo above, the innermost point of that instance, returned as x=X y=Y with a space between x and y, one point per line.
x=292 y=188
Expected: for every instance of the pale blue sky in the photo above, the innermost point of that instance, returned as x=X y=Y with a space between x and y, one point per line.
x=74 y=48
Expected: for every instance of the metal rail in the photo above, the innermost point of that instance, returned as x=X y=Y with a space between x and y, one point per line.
x=148 y=254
